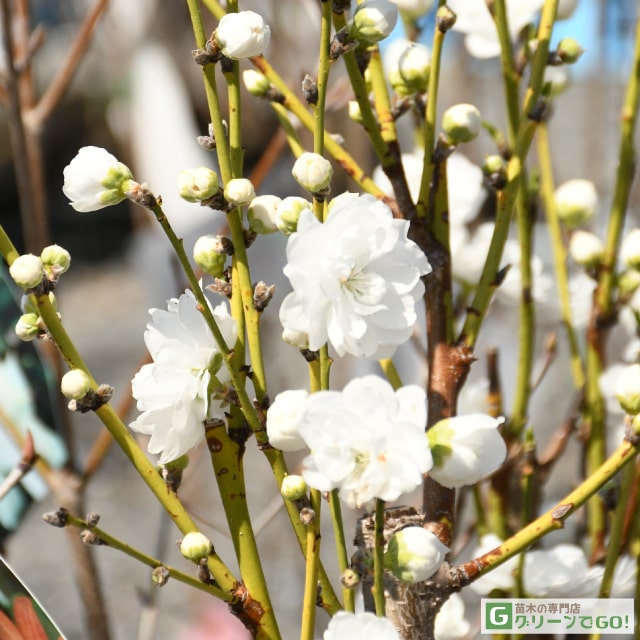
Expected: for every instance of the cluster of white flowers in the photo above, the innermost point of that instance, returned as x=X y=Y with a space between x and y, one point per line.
x=356 y=280
x=369 y=441
x=173 y=392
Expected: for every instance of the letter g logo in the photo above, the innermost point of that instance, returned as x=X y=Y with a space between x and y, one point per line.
x=498 y=615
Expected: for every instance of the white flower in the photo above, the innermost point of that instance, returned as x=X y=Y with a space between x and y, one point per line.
x=560 y=572
x=624 y=577
x=374 y=20
x=172 y=392
x=630 y=249
x=499 y=578
x=27 y=271
x=628 y=389
x=355 y=278
x=367 y=440
x=75 y=384
x=450 y=621
x=414 y=554
x=242 y=35
x=461 y=123
x=261 y=213
x=283 y=419
x=465 y=449
x=608 y=383
x=576 y=201
x=196 y=185
x=414 y=8
x=94 y=179
x=239 y=191
x=256 y=83
x=474 y=20
x=312 y=172
x=360 y=626
x=586 y=248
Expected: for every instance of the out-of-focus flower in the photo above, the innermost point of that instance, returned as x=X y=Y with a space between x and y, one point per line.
x=630 y=249
x=94 y=179
x=261 y=213
x=408 y=65
x=624 y=577
x=608 y=383
x=196 y=185
x=355 y=278
x=576 y=202
x=360 y=626
x=242 y=35
x=256 y=83
x=461 y=123
x=566 y=9
x=499 y=578
x=27 y=271
x=450 y=621
x=284 y=418
x=413 y=9
x=475 y=21
x=569 y=50
x=465 y=449
x=628 y=389
x=173 y=392
x=414 y=554
x=312 y=172
x=367 y=440
x=586 y=248
x=239 y=191
x=373 y=20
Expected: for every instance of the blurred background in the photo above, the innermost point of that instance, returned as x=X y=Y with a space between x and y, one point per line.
x=138 y=93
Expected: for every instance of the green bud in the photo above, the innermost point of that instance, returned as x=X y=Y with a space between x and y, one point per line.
x=196 y=185
x=288 y=213
x=293 y=487
x=28 y=327
x=195 y=546
x=261 y=214
x=461 y=123
x=210 y=255
x=56 y=261
x=75 y=384
x=256 y=83
x=569 y=50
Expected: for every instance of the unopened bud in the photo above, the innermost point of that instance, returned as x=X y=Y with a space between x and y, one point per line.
x=312 y=172
x=628 y=389
x=210 y=253
x=350 y=579
x=495 y=170
x=586 y=249
x=261 y=214
x=576 y=202
x=293 y=487
x=373 y=21
x=256 y=83
x=354 y=111
x=55 y=260
x=27 y=271
x=195 y=546
x=630 y=250
x=239 y=191
x=414 y=554
x=569 y=50
x=288 y=213
x=75 y=384
x=28 y=327
x=445 y=18
x=414 y=65
x=461 y=123
x=196 y=185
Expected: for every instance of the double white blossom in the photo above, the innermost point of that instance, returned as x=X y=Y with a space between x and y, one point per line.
x=367 y=440
x=355 y=278
x=173 y=392
x=95 y=179
x=360 y=626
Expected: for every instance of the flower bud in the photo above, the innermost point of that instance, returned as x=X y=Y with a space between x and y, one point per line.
x=373 y=20
x=256 y=83
x=239 y=191
x=354 y=111
x=283 y=419
x=75 y=384
x=566 y=9
x=94 y=179
x=628 y=282
x=55 y=260
x=27 y=271
x=630 y=250
x=628 y=389
x=293 y=487
x=461 y=123
x=261 y=214
x=195 y=546
x=210 y=255
x=558 y=77
x=586 y=248
x=413 y=9
x=312 y=172
x=288 y=213
x=445 y=18
x=242 y=35
x=196 y=185
x=569 y=50
x=298 y=339
x=414 y=65
x=414 y=554
x=576 y=202
x=28 y=327
x=495 y=170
